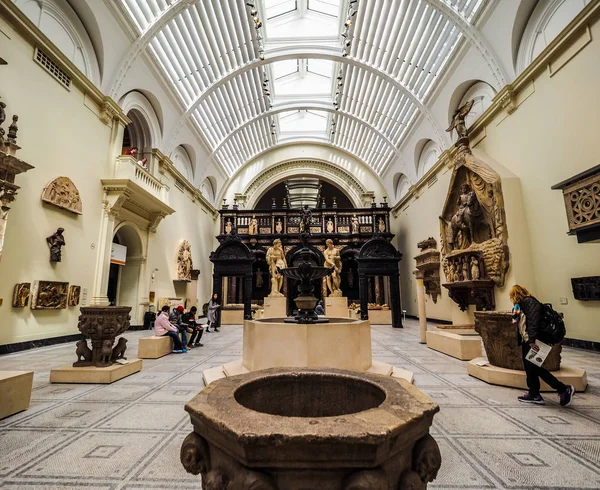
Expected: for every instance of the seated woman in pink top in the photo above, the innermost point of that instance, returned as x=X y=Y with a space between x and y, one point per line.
x=162 y=327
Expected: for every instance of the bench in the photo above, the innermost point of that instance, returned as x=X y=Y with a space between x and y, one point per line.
x=154 y=347
x=15 y=391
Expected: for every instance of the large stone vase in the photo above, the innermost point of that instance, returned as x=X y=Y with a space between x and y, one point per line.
x=102 y=325
x=501 y=341
x=326 y=429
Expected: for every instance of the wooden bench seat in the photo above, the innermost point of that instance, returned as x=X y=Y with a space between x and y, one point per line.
x=154 y=347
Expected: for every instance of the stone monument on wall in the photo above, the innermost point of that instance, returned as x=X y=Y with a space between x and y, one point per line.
x=474 y=238
x=62 y=193
x=184 y=262
x=10 y=167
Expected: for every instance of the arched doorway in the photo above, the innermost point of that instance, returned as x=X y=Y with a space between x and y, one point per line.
x=124 y=275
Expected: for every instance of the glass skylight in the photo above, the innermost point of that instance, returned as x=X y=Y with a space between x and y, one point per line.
x=320 y=67
x=275 y=8
x=328 y=7
x=284 y=68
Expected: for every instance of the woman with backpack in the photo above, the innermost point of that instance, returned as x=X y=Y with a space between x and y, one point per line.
x=530 y=327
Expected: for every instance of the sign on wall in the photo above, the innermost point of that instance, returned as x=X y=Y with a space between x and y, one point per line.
x=118 y=254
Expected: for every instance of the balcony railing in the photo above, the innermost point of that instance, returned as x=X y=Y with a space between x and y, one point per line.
x=126 y=167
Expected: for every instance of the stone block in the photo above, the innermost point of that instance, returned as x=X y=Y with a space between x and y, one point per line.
x=95 y=375
x=465 y=345
x=517 y=379
x=336 y=307
x=15 y=391
x=275 y=307
x=212 y=374
x=380 y=317
x=232 y=317
x=154 y=347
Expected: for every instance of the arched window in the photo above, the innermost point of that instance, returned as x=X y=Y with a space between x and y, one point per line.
x=182 y=161
x=144 y=132
x=548 y=19
x=208 y=188
x=428 y=158
x=59 y=22
x=401 y=185
x=482 y=94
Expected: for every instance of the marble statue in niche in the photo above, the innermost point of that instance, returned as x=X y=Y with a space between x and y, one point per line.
x=49 y=295
x=253 y=226
x=259 y=279
x=228 y=226
x=184 y=262
x=333 y=261
x=74 y=295
x=329 y=226
x=305 y=219
x=355 y=225
x=381 y=225
x=21 y=295
x=61 y=192
x=279 y=226
x=56 y=241
x=276 y=261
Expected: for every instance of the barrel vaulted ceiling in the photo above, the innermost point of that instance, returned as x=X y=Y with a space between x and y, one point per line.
x=253 y=74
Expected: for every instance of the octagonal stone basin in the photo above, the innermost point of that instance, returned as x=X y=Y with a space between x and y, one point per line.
x=306 y=429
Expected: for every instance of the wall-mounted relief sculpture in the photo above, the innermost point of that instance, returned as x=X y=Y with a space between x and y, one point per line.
x=74 y=295
x=49 y=295
x=56 y=241
x=473 y=227
x=428 y=263
x=21 y=295
x=184 y=262
x=586 y=288
x=61 y=192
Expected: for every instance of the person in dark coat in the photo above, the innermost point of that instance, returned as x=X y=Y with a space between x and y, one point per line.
x=319 y=310
x=214 y=313
x=189 y=319
x=529 y=328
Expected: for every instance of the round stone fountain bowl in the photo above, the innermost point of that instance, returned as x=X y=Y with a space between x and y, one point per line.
x=306 y=429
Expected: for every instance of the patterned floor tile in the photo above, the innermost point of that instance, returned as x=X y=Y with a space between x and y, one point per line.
x=72 y=415
x=457 y=472
x=480 y=421
x=147 y=416
x=586 y=448
x=553 y=420
x=530 y=463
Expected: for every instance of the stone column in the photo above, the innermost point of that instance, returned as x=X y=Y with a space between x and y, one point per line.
x=233 y=290
x=104 y=249
x=421 y=304
x=247 y=296
x=395 y=301
x=363 y=285
x=377 y=281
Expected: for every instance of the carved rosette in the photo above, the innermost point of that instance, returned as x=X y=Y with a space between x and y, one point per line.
x=102 y=325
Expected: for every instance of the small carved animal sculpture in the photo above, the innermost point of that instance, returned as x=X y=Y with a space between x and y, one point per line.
x=106 y=351
x=84 y=353
x=410 y=480
x=118 y=351
x=427 y=458
x=195 y=455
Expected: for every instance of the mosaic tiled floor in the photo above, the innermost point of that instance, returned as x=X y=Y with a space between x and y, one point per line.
x=127 y=435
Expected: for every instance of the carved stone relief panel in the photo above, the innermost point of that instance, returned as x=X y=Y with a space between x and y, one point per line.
x=184 y=262
x=21 y=295
x=74 y=295
x=61 y=192
x=49 y=295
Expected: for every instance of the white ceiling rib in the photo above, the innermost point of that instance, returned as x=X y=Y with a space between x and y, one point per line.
x=199 y=43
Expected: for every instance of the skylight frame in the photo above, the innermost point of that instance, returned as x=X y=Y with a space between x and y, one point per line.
x=312 y=9
x=280 y=2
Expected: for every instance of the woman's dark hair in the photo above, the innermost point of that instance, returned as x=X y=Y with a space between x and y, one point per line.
x=193 y=309
x=165 y=308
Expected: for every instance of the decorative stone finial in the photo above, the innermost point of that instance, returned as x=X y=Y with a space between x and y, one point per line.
x=12 y=131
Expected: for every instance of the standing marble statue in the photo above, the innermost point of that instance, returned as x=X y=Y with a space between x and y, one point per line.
x=253 y=226
x=355 y=227
x=381 y=225
x=305 y=220
x=55 y=242
x=465 y=219
x=474 y=269
x=333 y=261
x=228 y=226
x=276 y=261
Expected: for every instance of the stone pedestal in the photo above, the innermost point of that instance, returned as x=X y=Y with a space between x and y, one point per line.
x=275 y=307
x=336 y=307
x=95 y=375
x=232 y=316
x=380 y=317
x=286 y=429
x=421 y=305
x=461 y=343
x=15 y=391
x=154 y=347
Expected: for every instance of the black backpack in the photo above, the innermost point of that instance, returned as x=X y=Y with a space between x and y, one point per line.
x=552 y=327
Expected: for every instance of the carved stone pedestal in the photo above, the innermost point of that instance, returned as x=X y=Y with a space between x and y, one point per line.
x=275 y=307
x=336 y=307
x=293 y=429
x=479 y=293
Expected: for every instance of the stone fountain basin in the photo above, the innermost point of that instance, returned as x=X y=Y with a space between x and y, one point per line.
x=311 y=418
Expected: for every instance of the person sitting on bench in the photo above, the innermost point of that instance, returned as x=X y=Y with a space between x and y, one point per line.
x=189 y=318
x=163 y=327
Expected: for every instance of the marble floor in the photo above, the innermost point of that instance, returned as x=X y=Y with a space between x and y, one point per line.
x=127 y=435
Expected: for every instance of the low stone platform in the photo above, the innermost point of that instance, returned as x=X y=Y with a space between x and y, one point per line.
x=462 y=344
x=154 y=347
x=94 y=375
x=380 y=317
x=15 y=391
x=517 y=379
x=232 y=317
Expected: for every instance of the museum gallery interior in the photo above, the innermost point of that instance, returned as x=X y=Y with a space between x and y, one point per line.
x=299 y=244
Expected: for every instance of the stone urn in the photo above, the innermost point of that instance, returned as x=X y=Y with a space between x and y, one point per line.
x=301 y=429
x=501 y=341
x=102 y=324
